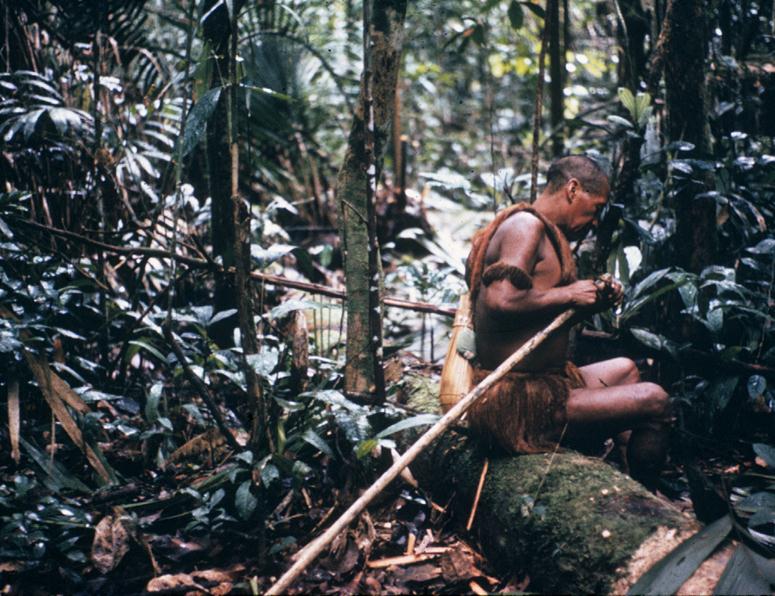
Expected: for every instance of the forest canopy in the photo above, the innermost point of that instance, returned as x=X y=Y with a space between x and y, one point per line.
x=232 y=244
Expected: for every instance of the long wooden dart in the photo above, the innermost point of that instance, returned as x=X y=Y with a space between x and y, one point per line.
x=314 y=548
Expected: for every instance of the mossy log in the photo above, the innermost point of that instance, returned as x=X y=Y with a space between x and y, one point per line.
x=571 y=522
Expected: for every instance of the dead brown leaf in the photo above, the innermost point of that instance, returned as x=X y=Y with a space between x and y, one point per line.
x=459 y=564
x=418 y=573
x=111 y=543
x=176 y=581
x=209 y=581
x=209 y=442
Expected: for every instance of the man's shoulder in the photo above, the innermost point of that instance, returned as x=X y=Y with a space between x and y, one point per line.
x=522 y=223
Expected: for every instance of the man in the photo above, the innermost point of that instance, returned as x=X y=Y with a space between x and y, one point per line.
x=521 y=275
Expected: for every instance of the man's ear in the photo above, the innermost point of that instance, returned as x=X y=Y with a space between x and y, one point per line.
x=571 y=188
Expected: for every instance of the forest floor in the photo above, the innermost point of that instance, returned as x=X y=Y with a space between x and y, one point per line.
x=146 y=537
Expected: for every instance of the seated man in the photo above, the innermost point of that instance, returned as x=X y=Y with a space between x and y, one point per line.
x=521 y=275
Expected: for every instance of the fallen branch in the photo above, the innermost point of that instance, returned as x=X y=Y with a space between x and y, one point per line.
x=267 y=278
x=314 y=548
x=400 y=560
x=478 y=495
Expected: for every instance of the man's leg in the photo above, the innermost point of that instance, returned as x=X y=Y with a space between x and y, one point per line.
x=615 y=401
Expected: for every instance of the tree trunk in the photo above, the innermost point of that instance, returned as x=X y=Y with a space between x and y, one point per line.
x=363 y=370
x=687 y=120
x=556 y=72
x=632 y=30
x=632 y=35
x=573 y=523
x=217 y=30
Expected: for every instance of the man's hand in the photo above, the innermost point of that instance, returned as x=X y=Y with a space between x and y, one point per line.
x=610 y=292
x=595 y=295
x=583 y=294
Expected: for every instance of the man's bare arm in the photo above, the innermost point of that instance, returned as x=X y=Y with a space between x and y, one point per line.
x=516 y=245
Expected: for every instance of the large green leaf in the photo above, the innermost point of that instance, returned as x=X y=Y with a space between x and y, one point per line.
x=56 y=476
x=766 y=452
x=746 y=573
x=419 y=420
x=628 y=101
x=647 y=338
x=721 y=391
x=756 y=502
x=314 y=439
x=152 y=402
x=668 y=574
x=244 y=500
x=197 y=119
x=649 y=281
x=516 y=15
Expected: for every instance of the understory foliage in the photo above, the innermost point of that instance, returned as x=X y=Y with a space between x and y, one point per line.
x=113 y=379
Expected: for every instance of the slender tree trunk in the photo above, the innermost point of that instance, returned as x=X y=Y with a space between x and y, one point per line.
x=556 y=68
x=633 y=25
x=104 y=339
x=363 y=369
x=239 y=223
x=632 y=37
x=217 y=30
x=687 y=120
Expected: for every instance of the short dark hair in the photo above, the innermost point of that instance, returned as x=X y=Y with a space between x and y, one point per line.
x=589 y=174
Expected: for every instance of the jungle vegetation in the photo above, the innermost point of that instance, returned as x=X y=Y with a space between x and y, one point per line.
x=232 y=235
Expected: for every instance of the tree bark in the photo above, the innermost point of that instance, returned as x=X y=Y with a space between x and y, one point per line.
x=363 y=368
x=632 y=35
x=556 y=72
x=217 y=31
x=573 y=523
x=687 y=120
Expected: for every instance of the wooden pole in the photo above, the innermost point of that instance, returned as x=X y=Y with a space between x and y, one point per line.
x=314 y=548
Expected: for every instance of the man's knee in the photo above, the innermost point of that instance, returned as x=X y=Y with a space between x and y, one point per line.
x=629 y=371
x=656 y=402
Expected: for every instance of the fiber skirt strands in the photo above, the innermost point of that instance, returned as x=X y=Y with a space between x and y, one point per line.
x=525 y=411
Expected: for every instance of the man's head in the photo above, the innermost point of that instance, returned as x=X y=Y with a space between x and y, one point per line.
x=576 y=192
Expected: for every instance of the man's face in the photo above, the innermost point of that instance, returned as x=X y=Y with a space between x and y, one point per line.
x=585 y=209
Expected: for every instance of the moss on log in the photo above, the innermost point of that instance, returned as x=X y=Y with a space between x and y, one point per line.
x=574 y=523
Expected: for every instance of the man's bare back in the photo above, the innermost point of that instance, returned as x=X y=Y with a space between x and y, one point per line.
x=613 y=401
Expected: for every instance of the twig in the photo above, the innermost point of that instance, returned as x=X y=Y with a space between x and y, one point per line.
x=202 y=389
x=411 y=541
x=479 y=488
x=551 y=461
x=399 y=560
x=314 y=548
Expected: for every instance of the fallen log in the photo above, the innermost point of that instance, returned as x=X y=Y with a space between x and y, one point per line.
x=573 y=523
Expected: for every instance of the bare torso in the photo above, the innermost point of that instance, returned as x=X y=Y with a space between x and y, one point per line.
x=497 y=337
